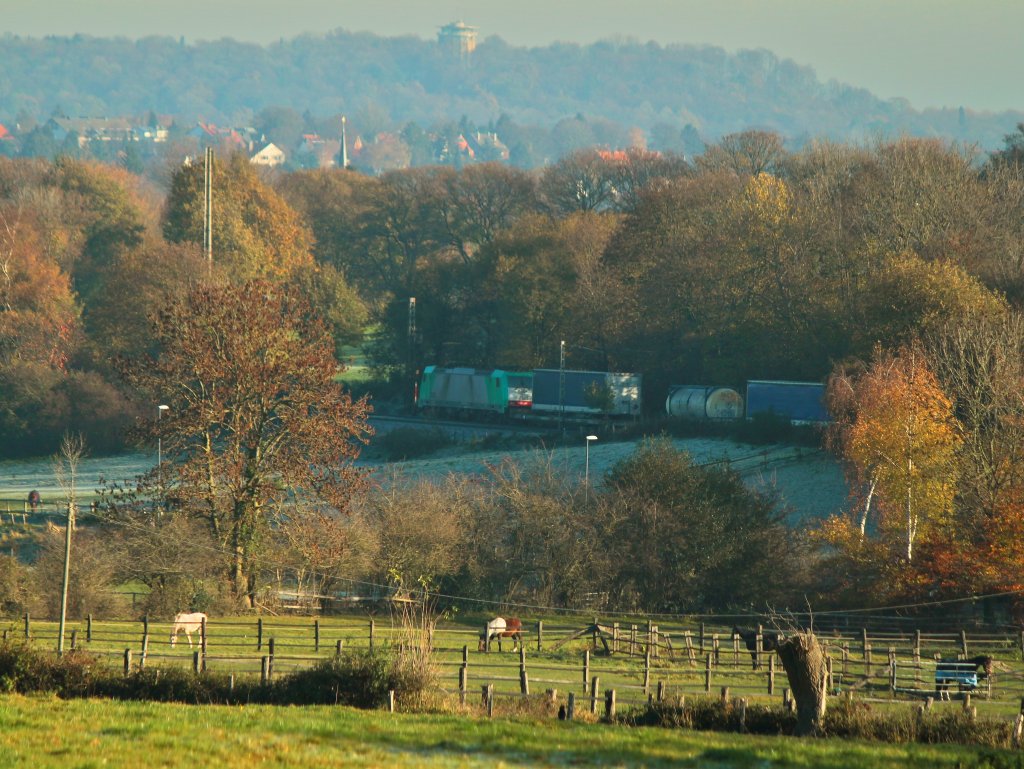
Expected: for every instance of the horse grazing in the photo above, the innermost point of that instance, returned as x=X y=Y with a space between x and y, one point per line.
x=964 y=673
x=188 y=624
x=770 y=640
x=502 y=627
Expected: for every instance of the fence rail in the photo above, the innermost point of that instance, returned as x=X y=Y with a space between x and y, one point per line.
x=655 y=661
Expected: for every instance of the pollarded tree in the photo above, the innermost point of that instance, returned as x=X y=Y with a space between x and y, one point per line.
x=258 y=433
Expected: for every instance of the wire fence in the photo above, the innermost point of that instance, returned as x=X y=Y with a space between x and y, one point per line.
x=642 y=662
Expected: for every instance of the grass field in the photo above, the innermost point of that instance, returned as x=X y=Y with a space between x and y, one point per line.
x=236 y=646
x=44 y=732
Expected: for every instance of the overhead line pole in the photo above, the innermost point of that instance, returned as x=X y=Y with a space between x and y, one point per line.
x=208 y=210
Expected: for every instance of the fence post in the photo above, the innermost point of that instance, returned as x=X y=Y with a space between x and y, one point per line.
x=88 y=628
x=270 y=658
x=487 y=693
x=28 y=626
x=892 y=670
x=759 y=645
x=771 y=675
x=264 y=670
x=586 y=669
x=570 y=707
x=259 y=634
x=593 y=633
x=463 y=683
x=145 y=649
x=867 y=660
x=615 y=637
x=661 y=691
x=632 y=640
x=595 y=687
x=701 y=637
x=74 y=639
x=690 y=656
x=828 y=671
x=338 y=646
x=846 y=659
x=647 y=671
x=715 y=648
x=707 y=676
x=202 y=640
x=540 y=635
x=391 y=700
x=725 y=695
x=609 y=704
x=735 y=649
x=864 y=644
x=963 y=642
x=196 y=663
x=316 y=637
x=524 y=681
x=127 y=661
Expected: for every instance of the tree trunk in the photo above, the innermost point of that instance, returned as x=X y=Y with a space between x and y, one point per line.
x=804 y=661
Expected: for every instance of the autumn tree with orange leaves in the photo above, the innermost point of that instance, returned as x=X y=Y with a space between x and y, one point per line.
x=898 y=433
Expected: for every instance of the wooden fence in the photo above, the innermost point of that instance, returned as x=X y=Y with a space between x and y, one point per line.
x=640 y=661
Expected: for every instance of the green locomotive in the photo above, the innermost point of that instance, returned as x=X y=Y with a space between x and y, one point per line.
x=473 y=392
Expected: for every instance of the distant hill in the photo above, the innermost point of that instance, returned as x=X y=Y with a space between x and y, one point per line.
x=671 y=93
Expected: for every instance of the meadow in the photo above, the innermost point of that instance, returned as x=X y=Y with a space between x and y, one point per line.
x=43 y=732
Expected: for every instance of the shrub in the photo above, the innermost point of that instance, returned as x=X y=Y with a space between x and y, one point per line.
x=24 y=669
x=844 y=719
x=361 y=678
x=173 y=684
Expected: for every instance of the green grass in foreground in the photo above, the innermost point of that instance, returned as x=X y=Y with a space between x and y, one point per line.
x=42 y=732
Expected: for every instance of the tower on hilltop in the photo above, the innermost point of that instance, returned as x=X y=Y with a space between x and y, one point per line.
x=458 y=38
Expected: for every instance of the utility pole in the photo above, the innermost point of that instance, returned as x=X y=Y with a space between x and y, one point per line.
x=208 y=209
x=561 y=388
x=412 y=346
x=344 y=145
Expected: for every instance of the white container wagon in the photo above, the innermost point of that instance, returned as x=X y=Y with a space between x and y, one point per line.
x=704 y=402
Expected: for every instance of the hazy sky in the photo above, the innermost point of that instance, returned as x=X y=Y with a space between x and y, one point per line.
x=932 y=52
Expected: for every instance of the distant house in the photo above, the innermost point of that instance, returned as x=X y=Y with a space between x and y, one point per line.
x=269 y=155
x=229 y=138
x=317 y=152
x=90 y=129
x=486 y=147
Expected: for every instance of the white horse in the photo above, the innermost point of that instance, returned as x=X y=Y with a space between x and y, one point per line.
x=188 y=624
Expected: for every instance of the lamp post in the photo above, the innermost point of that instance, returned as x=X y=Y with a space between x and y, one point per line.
x=586 y=472
x=159 y=446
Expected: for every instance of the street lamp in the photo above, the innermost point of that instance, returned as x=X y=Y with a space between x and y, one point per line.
x=586 y=474
x=159 y=445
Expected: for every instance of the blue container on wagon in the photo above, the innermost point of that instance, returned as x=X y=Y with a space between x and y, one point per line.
x=799 y=402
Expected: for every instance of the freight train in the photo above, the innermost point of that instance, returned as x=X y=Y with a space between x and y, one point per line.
x=470 y=392
x=797 y=402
